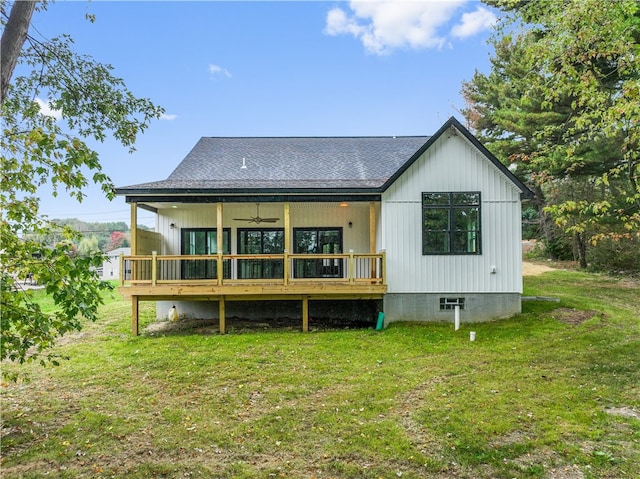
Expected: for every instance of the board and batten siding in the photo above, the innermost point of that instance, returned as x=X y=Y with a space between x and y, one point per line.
x=452 y=164
x=302 y=215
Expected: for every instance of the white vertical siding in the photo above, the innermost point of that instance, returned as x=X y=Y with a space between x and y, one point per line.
x=452 y=164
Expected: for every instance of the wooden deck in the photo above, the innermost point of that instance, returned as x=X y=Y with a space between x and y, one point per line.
x=221 y=278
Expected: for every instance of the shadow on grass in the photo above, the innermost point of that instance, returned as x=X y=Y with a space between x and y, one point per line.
x=185 y=327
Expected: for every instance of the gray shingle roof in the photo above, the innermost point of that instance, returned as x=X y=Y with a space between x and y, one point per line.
x=302 y=163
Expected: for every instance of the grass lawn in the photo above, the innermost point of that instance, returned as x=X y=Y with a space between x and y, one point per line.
x=552 y=393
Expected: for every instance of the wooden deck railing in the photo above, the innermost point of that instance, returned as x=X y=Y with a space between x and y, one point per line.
x=229 y=269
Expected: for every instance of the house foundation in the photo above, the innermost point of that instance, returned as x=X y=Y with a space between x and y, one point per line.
x=440 y=307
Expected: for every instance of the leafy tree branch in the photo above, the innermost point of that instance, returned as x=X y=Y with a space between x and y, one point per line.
x=54 y=100
x=562 y=106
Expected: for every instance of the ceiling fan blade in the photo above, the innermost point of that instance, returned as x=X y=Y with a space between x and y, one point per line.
x=257 y=219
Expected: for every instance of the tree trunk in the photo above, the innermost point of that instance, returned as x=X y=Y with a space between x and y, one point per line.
x=13 y=38
x=581 y=246
x=547 y=226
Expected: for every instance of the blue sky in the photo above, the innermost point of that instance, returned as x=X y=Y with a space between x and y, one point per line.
x=270 y=69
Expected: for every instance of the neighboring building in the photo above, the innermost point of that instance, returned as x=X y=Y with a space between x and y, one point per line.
x=415 y=225
x=111 y=265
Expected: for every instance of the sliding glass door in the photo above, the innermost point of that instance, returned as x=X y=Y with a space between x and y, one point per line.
x=318 y=241
x=260 y=241
x=203 y=241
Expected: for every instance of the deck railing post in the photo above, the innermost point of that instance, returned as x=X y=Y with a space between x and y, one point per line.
x=154 y=267
x=286 y=267
x=121 y=269
x=383 y=265
x=352 y=272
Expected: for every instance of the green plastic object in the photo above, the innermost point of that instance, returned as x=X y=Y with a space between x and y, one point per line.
x=380 y=324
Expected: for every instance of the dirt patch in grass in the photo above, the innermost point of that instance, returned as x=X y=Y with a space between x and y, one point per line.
x=624 y=412
x=573 y=316
x=534 y=269
x=629 y=283
x=565 y=472
x=550 y=460
x=405 y=407
x=514 y=437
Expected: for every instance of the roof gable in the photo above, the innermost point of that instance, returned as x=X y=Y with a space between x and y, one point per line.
x=453 y=123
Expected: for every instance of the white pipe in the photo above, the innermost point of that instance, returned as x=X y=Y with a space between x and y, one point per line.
x=457 y=317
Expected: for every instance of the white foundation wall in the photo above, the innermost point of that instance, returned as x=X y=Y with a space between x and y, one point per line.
x=478 y=307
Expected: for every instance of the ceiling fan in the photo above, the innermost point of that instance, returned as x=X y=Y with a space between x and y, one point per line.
x=257 y=219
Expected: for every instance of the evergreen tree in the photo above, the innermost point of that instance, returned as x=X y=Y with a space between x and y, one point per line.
x=562 y=102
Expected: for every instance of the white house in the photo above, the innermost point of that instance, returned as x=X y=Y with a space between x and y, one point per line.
x=411 y=225
x=111 y=265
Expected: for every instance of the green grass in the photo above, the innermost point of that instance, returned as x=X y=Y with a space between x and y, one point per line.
x=529 y=396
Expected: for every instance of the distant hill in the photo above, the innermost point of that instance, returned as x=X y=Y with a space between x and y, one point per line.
x=97 y=235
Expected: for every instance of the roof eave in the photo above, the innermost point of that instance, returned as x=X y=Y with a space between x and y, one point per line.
x=244 y=191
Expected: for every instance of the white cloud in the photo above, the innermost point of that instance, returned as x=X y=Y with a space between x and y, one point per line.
x=474 y=22
x=168 y=117
x=385 y=25
x=217 y=69
x=46 y=110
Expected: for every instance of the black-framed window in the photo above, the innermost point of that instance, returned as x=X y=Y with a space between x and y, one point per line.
x=260 y=241
x=203 y=241
x=451 y=223
x=317 y=241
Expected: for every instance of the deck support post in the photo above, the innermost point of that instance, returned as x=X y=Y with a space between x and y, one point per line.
x=134 y=315
x=372 y=227
x=287 y=242
x=219 y=245
x=134 y=241
x=221 y=315
x=372 y=237
x=305 y=313
x=134 y=229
